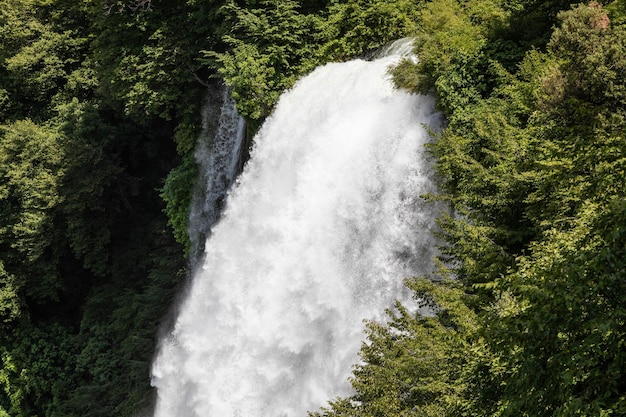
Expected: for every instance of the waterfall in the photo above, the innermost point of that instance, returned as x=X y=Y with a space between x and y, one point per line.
x=218 y=156
x=320 y=229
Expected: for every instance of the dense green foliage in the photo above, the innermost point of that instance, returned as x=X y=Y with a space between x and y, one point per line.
x=99 y=114
x=532 y=160
x=87 y=263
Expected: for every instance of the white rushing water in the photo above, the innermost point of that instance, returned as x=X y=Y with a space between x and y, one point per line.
x=218 y=154
x=319 y=231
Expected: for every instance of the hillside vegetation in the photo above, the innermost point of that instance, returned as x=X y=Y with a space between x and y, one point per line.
x=99 y=114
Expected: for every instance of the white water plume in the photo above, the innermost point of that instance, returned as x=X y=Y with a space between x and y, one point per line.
x=319 y=231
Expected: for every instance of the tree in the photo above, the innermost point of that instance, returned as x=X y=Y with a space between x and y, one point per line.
x=533 y=166
x=268 y=49
x=563 y=343
x=31 y=172
x=356 y=27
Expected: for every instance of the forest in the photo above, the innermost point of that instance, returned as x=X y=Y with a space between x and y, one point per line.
x=99 y=117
